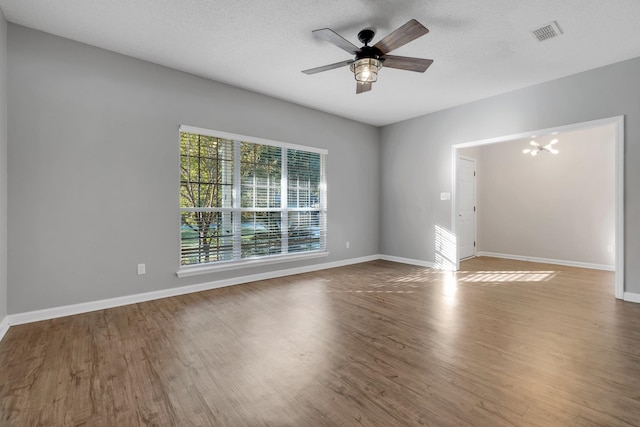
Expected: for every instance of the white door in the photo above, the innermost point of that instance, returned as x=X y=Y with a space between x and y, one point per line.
x=466 y=207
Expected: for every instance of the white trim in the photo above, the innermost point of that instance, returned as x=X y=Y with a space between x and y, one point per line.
x=619 y=207
x=631 y=297
x=4 y=327
x=68 y=310
x=245 y=138
x=454 y=194
x=563 y=128
x=549 y=261
x=410 y=261
x=618 y=121
x=195 y=270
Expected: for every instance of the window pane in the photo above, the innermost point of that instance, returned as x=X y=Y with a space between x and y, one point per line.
x=206 y=237
x=206 y=171
x=303 y=178
x=261 y=173
x=261 y=234
x=304 y=231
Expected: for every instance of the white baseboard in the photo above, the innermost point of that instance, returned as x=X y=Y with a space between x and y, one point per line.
x=631 y=297
x=549 y=261
x=68 y=310
x=407 y=261
x=4 y=326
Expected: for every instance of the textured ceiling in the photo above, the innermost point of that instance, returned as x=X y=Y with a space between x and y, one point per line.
x=479 y=48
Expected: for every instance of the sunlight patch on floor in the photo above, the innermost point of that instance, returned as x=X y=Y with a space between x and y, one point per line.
x=417 y=277
x=505 y=276
x=352 y=291
x=450 y=284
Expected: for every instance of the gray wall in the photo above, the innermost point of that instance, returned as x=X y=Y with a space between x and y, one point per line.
x=558 y=206
x=417 y=153
x=93 y=169
x=3 y=166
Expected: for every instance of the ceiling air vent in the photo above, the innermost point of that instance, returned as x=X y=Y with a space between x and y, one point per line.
x=547 y=32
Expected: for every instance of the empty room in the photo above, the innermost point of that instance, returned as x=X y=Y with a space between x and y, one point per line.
x=382 y=213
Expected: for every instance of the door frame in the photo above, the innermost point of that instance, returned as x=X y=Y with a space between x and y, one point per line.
x=475 y=204
x=618 y=122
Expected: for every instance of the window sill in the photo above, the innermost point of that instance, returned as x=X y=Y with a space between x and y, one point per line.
x=195 y=270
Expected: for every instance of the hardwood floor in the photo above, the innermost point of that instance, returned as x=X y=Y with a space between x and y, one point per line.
x=380 y=344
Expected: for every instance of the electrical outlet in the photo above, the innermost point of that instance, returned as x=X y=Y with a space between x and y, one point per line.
x=347 y=244
x=141 y=269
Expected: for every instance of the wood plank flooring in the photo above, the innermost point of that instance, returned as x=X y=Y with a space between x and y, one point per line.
x=499 y=343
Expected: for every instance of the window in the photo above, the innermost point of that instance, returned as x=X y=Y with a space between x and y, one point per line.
x=245 y=199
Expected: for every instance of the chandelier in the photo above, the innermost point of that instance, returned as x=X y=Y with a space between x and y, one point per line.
x=537 y=148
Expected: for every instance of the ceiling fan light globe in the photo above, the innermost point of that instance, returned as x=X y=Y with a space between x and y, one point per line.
x=365 y=70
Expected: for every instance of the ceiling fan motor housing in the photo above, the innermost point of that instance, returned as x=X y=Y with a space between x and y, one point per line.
x=369 y=52
x=365 y=36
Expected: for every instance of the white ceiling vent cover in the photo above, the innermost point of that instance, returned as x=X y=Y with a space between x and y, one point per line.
x=547 y=32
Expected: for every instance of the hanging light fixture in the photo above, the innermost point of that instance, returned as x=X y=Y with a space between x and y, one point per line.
x=365 y=70
x=537 y=148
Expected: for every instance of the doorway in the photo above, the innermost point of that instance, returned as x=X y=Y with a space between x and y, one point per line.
x=618 y=124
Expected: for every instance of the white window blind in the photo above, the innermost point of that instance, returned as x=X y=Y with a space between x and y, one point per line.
x=242 y=199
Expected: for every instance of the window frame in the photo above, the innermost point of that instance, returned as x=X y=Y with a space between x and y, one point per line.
x=237 y=209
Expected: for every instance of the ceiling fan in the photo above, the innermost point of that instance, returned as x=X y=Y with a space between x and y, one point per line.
x=369 y=59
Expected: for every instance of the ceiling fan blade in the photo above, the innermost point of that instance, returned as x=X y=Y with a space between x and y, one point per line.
x=419 y=65
x=335 y=38
x=403 y=35
x=363 y=87
x=328 y=67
